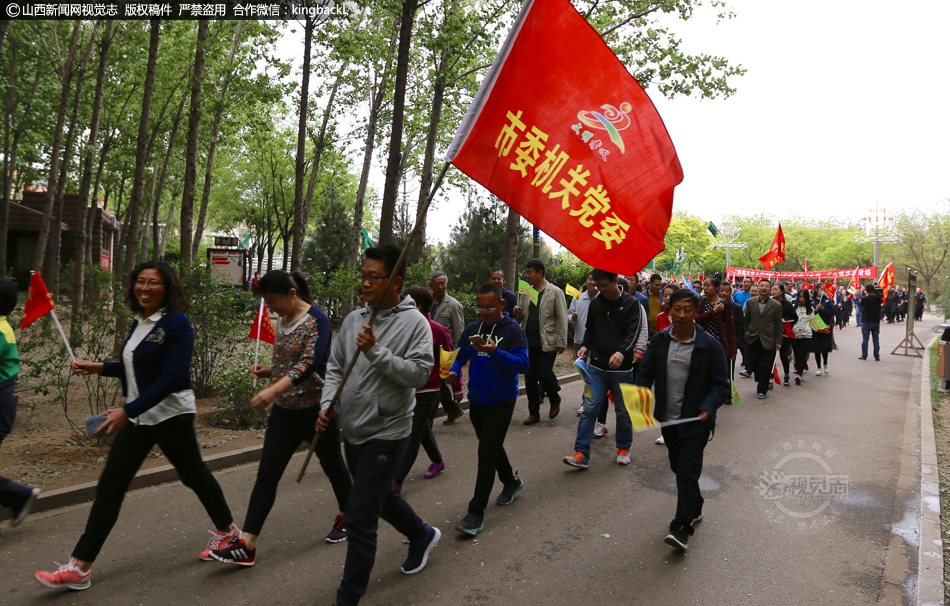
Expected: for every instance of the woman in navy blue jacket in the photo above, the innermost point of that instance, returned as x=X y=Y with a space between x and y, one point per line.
x=155 y=371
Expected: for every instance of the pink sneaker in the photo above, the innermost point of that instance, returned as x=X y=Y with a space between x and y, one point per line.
x=434 y=470
x=67 y=576
x=220 y=541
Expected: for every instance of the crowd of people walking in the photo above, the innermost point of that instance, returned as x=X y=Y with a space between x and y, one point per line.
x=664 y=337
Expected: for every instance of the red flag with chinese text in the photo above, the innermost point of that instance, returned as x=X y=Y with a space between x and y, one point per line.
x=829 y=290
x=562 y=133
x=776 y=252
x=38 y=302
x=887 y=279
x=266 y=331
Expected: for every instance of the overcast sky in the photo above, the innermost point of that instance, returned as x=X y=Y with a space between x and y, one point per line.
x=844 y=106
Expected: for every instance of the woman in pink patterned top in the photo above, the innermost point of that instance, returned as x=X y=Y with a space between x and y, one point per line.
x=301 y=350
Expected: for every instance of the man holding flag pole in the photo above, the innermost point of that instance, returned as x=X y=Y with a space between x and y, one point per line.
x=687 y=368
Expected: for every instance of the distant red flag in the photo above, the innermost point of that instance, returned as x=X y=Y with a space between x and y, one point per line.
x=887 y=279
x=776 y=252
x=267 y=333
x=562 y=133
x=829 y=290
x=38 y=303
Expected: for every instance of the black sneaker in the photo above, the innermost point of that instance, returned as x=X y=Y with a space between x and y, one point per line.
x=337 y=533
x=419 y=551
x=697 y=519
x=451 y=419
x=679 y=538
x=471 y=524
x=785 y=381
x=507 y=496
x=235 y=553
x=20 y=514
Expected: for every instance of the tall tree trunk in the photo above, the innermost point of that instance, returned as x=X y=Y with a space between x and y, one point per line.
x=301 y=147
x=46 y=224
x=319 y=145
x=147 y=218
x=510 y=258
x=165 y=232
x=191 y=156
x=134 y=211
x=376 y=103
x=215 y=129
x=156 y=255
x=432 y=138
x=7 y=164
x=79 y=267
x=393 y=173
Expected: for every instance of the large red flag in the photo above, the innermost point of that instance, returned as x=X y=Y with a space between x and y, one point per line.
x=776 y=252
x=887 y=279
x=38 y=302
x=266 y=331
x=561 y=132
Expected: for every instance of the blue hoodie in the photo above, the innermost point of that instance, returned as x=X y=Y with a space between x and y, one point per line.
x=493 y=377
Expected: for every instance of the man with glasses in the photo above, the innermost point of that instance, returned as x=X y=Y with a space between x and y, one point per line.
x=447 y=311
x=498 y=350
x=545 y=323
x=616 y=337
x=374 y=410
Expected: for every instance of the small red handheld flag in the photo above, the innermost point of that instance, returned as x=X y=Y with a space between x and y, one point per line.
x=38 y=303
x=776 y=252
x=887 y=279
x=829 y=290
x=262 y=329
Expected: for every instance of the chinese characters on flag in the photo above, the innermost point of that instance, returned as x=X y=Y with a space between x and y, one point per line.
x=776 y=253
x=562 y=133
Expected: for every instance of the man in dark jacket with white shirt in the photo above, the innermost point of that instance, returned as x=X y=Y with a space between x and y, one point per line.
x=687 y=369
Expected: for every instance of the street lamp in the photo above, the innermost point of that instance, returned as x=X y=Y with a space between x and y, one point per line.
x=730 y=236
x=875 y=222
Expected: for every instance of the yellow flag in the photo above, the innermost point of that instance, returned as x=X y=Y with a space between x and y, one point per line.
x=446 y=360
x=572 y=292
x=639 y=404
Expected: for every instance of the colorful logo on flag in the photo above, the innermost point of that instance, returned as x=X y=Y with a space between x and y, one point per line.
x=446 y=360
x=612 y=121
x=639 y=404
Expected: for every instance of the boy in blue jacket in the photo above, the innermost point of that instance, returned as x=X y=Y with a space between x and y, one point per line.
x=498 y=350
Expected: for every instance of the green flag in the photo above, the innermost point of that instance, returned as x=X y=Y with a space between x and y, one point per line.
x=523 y=287
x=736 y=398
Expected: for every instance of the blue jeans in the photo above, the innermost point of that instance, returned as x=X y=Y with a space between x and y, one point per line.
x=12 y=495
x=592 y=405
x=870 y=329
x=858 y=313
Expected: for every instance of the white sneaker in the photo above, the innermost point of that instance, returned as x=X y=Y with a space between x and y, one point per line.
x=623 y=457
x=600 y=430
x=818 y=373
x=660 y=440
x=827 y=370
x=580 y=410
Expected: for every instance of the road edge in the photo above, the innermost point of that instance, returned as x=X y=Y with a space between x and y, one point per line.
x=930 y=588
x=85 y=493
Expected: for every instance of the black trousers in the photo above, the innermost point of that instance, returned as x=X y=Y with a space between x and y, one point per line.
x=11 y=494
x=373 y=465
x=686 y=461
x=176 y=438
x=802 y=348
x=491 y=422
x=540 y=372
x=286 y=429
x=449 y=405
x=785 y=354
x=422 y=416
x=761 y=361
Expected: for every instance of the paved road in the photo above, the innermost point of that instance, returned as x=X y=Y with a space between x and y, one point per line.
x=572 y=537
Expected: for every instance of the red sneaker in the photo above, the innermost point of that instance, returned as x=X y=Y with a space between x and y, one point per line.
x=220 y=541
x=68 y=576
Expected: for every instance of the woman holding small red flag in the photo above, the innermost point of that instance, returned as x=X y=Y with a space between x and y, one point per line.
x=155 y=370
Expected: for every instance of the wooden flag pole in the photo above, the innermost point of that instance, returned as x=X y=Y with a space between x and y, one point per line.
x=257 y=346
x=372 y=319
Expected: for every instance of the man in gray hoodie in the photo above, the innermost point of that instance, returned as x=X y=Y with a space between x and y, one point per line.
x=375 y=417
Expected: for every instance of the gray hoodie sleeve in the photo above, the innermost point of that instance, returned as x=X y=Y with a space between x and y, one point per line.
x=414 y=368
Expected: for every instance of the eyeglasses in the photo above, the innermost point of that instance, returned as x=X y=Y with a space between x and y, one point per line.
x=603 y=286
x=488 y=309
x=371 y=279
x=151 y=283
